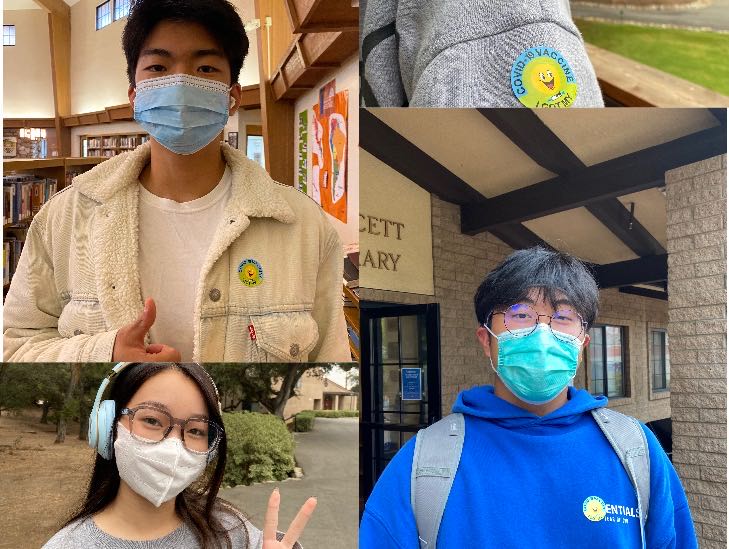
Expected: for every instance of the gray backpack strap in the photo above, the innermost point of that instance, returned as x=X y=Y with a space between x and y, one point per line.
x=435 y=462
x=628 y=440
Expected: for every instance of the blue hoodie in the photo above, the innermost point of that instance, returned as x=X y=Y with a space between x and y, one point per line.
x=523 y=480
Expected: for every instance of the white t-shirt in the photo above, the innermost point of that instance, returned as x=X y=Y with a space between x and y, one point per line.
x=174 y=238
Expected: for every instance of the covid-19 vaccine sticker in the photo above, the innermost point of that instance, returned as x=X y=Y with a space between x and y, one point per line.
x=542 y=77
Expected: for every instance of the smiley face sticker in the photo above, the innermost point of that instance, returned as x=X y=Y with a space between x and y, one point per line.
x=542 y=77
x=250 y=272
x=594 y=508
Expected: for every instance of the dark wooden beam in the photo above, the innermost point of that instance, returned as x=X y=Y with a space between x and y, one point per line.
x=634 y=271
x=616 y=217
x=631 y=173
x=388 y=146
x=519 y=237
x=720 y=115
x=391 y=148
x=527 y=131
x=644 y=292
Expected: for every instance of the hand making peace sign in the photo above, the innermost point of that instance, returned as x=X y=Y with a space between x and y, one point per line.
x=270 y=523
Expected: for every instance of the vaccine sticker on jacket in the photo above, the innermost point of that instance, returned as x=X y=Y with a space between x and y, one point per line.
x=542 y=77
x=250 y=272
x=594 y=508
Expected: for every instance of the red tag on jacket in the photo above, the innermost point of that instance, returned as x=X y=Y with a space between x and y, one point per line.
x=252 y=332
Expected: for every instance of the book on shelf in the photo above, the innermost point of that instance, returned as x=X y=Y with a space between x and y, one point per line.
x=12 y=248
x=111 y=145
x=24 y=195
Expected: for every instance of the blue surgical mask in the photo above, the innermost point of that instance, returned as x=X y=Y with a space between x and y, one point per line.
x=183 y=113
x=538 y=366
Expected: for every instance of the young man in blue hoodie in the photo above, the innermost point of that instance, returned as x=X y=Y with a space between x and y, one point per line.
x=535 y=470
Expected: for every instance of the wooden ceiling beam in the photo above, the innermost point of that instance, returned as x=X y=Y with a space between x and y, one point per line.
x=57 y=7
x=627 y=174
x=391 y=148
x=644 y=292
x=643 y=270
x=528 y=132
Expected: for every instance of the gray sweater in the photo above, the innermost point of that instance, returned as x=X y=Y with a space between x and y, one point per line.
x=85 y=534
x=463 y=53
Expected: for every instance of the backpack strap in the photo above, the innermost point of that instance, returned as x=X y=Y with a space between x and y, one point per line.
x=627 y=438
x=435 y=462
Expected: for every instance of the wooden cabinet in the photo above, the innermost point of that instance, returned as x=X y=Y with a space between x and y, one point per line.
x=323 y=15
x=308 y=60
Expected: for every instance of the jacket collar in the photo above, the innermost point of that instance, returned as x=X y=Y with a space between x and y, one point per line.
x=253 y=193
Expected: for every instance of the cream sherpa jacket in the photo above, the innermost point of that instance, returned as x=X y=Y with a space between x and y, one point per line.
x=77 y=281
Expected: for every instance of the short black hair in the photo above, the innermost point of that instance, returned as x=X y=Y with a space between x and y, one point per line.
x=219 y=18
x=549 y=272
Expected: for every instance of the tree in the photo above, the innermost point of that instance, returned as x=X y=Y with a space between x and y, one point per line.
x=270 y=385
x=67 y=403
x=352 y=380
x=27 y=385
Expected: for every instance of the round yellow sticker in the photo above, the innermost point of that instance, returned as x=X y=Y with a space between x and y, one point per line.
x=250 y=272
x=542 y=77
x=594 y=508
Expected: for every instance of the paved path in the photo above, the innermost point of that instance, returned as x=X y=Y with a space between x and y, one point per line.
x=329 y=456
x=714 y=16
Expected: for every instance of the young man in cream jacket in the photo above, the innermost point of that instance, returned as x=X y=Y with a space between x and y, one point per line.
x=182 y=249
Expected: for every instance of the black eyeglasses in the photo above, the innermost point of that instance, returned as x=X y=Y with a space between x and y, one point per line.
x=152 y=425
x=521 y=320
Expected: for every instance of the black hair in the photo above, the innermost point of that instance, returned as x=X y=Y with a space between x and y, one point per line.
x=549 y=272
x=197 y=504
x=218 y=17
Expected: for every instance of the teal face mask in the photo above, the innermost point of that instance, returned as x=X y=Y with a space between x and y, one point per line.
x=538 y=366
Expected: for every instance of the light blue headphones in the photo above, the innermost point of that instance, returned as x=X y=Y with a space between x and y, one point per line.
x=101 y=419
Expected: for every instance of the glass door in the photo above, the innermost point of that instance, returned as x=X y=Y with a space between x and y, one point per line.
x=400 y=381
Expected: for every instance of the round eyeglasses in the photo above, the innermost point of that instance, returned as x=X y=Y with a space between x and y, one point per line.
x=152 y=425
x=566 y=323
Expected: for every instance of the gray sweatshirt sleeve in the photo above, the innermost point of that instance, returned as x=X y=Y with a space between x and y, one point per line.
x=461 y=53
x=380 y=69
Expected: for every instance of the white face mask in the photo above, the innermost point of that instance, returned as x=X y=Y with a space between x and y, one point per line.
x=157 y=472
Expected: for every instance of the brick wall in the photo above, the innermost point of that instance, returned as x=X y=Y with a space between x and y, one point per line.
x=696 y=229
x=638 y=315
x=460 y=263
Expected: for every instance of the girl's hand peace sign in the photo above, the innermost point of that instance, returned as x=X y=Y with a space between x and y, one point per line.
x=270 y=523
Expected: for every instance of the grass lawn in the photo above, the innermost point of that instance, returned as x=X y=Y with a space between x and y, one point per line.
x=693 y=55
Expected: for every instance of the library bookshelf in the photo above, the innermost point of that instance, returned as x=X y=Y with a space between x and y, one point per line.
x=27 y=184
x=108 y=145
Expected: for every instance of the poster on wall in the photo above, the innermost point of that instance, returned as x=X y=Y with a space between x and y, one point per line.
x=329 y=151
x=303 y=145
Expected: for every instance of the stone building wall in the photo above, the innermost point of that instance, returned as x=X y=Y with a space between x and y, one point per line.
x=696 y=208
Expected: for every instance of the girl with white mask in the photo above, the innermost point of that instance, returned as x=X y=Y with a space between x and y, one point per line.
x=161 y=458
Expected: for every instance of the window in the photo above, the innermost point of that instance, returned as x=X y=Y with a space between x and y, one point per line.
x=103 y=15
x=607 y=361
x=661 y=367
x=8 y=35
x=121 y=9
